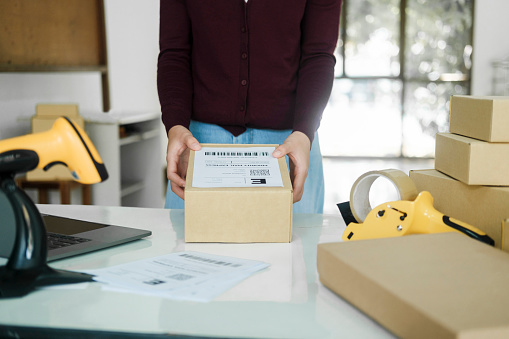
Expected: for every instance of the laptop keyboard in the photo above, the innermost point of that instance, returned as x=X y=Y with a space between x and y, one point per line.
x=58 y=240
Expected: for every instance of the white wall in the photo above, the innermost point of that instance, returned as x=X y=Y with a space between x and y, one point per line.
x=490 y=42
x=132 y=29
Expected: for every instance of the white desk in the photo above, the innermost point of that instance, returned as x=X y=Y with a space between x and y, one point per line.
x=284 y=301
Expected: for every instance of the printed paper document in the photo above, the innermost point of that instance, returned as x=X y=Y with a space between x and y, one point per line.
x=182 y=275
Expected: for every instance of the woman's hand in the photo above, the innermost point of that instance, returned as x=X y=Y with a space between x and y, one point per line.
x=180 y=141
x=297 y=146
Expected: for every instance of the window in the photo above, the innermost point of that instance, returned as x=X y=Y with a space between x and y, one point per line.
x=398 y=63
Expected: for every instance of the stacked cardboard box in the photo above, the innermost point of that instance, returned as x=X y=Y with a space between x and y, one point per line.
x=442 y=285
x=45 y=117
x=470 y=181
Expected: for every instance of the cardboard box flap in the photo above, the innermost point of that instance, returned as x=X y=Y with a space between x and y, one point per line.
x=423 y=286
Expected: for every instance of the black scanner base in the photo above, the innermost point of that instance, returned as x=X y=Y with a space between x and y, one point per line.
x=17 y=283
x=26 y=268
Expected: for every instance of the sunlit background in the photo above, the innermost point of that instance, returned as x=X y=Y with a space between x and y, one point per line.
x=398 y=63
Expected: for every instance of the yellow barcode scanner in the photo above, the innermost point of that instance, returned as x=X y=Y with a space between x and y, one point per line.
x=65 y=143
x=403 y=217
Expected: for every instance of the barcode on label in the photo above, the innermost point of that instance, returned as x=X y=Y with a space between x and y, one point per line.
x=259 y=172
x=210 y=261
x=154 y=282
x=238 y=154
x=181 y=277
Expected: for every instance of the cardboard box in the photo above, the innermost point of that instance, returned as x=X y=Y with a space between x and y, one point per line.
x=483 y=207
x=45 y=117
x=472 y=161
x=443 y=285
x=57 y=110
x=46 y=114
x=238 y=214
x=485 y=118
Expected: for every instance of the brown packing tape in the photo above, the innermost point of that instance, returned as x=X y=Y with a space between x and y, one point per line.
x=359 y=195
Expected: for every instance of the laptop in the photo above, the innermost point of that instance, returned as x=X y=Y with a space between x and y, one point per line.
x=69 y=237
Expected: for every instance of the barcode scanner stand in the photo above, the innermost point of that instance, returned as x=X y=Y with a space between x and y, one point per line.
x=26 y=268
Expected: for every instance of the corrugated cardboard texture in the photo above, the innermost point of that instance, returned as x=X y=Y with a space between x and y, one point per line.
x=472 y=161
x=240 y=215
x=481 y=206
x=485 y=118
x=443 y=285
x=45 y=117
x=505 y=235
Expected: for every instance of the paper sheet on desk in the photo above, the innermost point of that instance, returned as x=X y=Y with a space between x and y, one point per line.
x=236 y=167
x=186 y=275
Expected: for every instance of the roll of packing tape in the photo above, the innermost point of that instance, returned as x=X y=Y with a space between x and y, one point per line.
x=359 y=195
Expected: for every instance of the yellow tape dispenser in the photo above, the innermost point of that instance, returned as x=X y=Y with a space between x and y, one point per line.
x=401 y=217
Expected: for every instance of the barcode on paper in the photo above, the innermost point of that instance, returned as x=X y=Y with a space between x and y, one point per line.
x=181 y=276
x=259 y=172
x=238 y=154
x=210 y=261
x=154 y=282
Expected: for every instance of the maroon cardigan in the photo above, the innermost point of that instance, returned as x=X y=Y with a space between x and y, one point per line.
x=265 y=64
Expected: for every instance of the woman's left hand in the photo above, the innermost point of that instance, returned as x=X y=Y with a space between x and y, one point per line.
x=297 y=146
